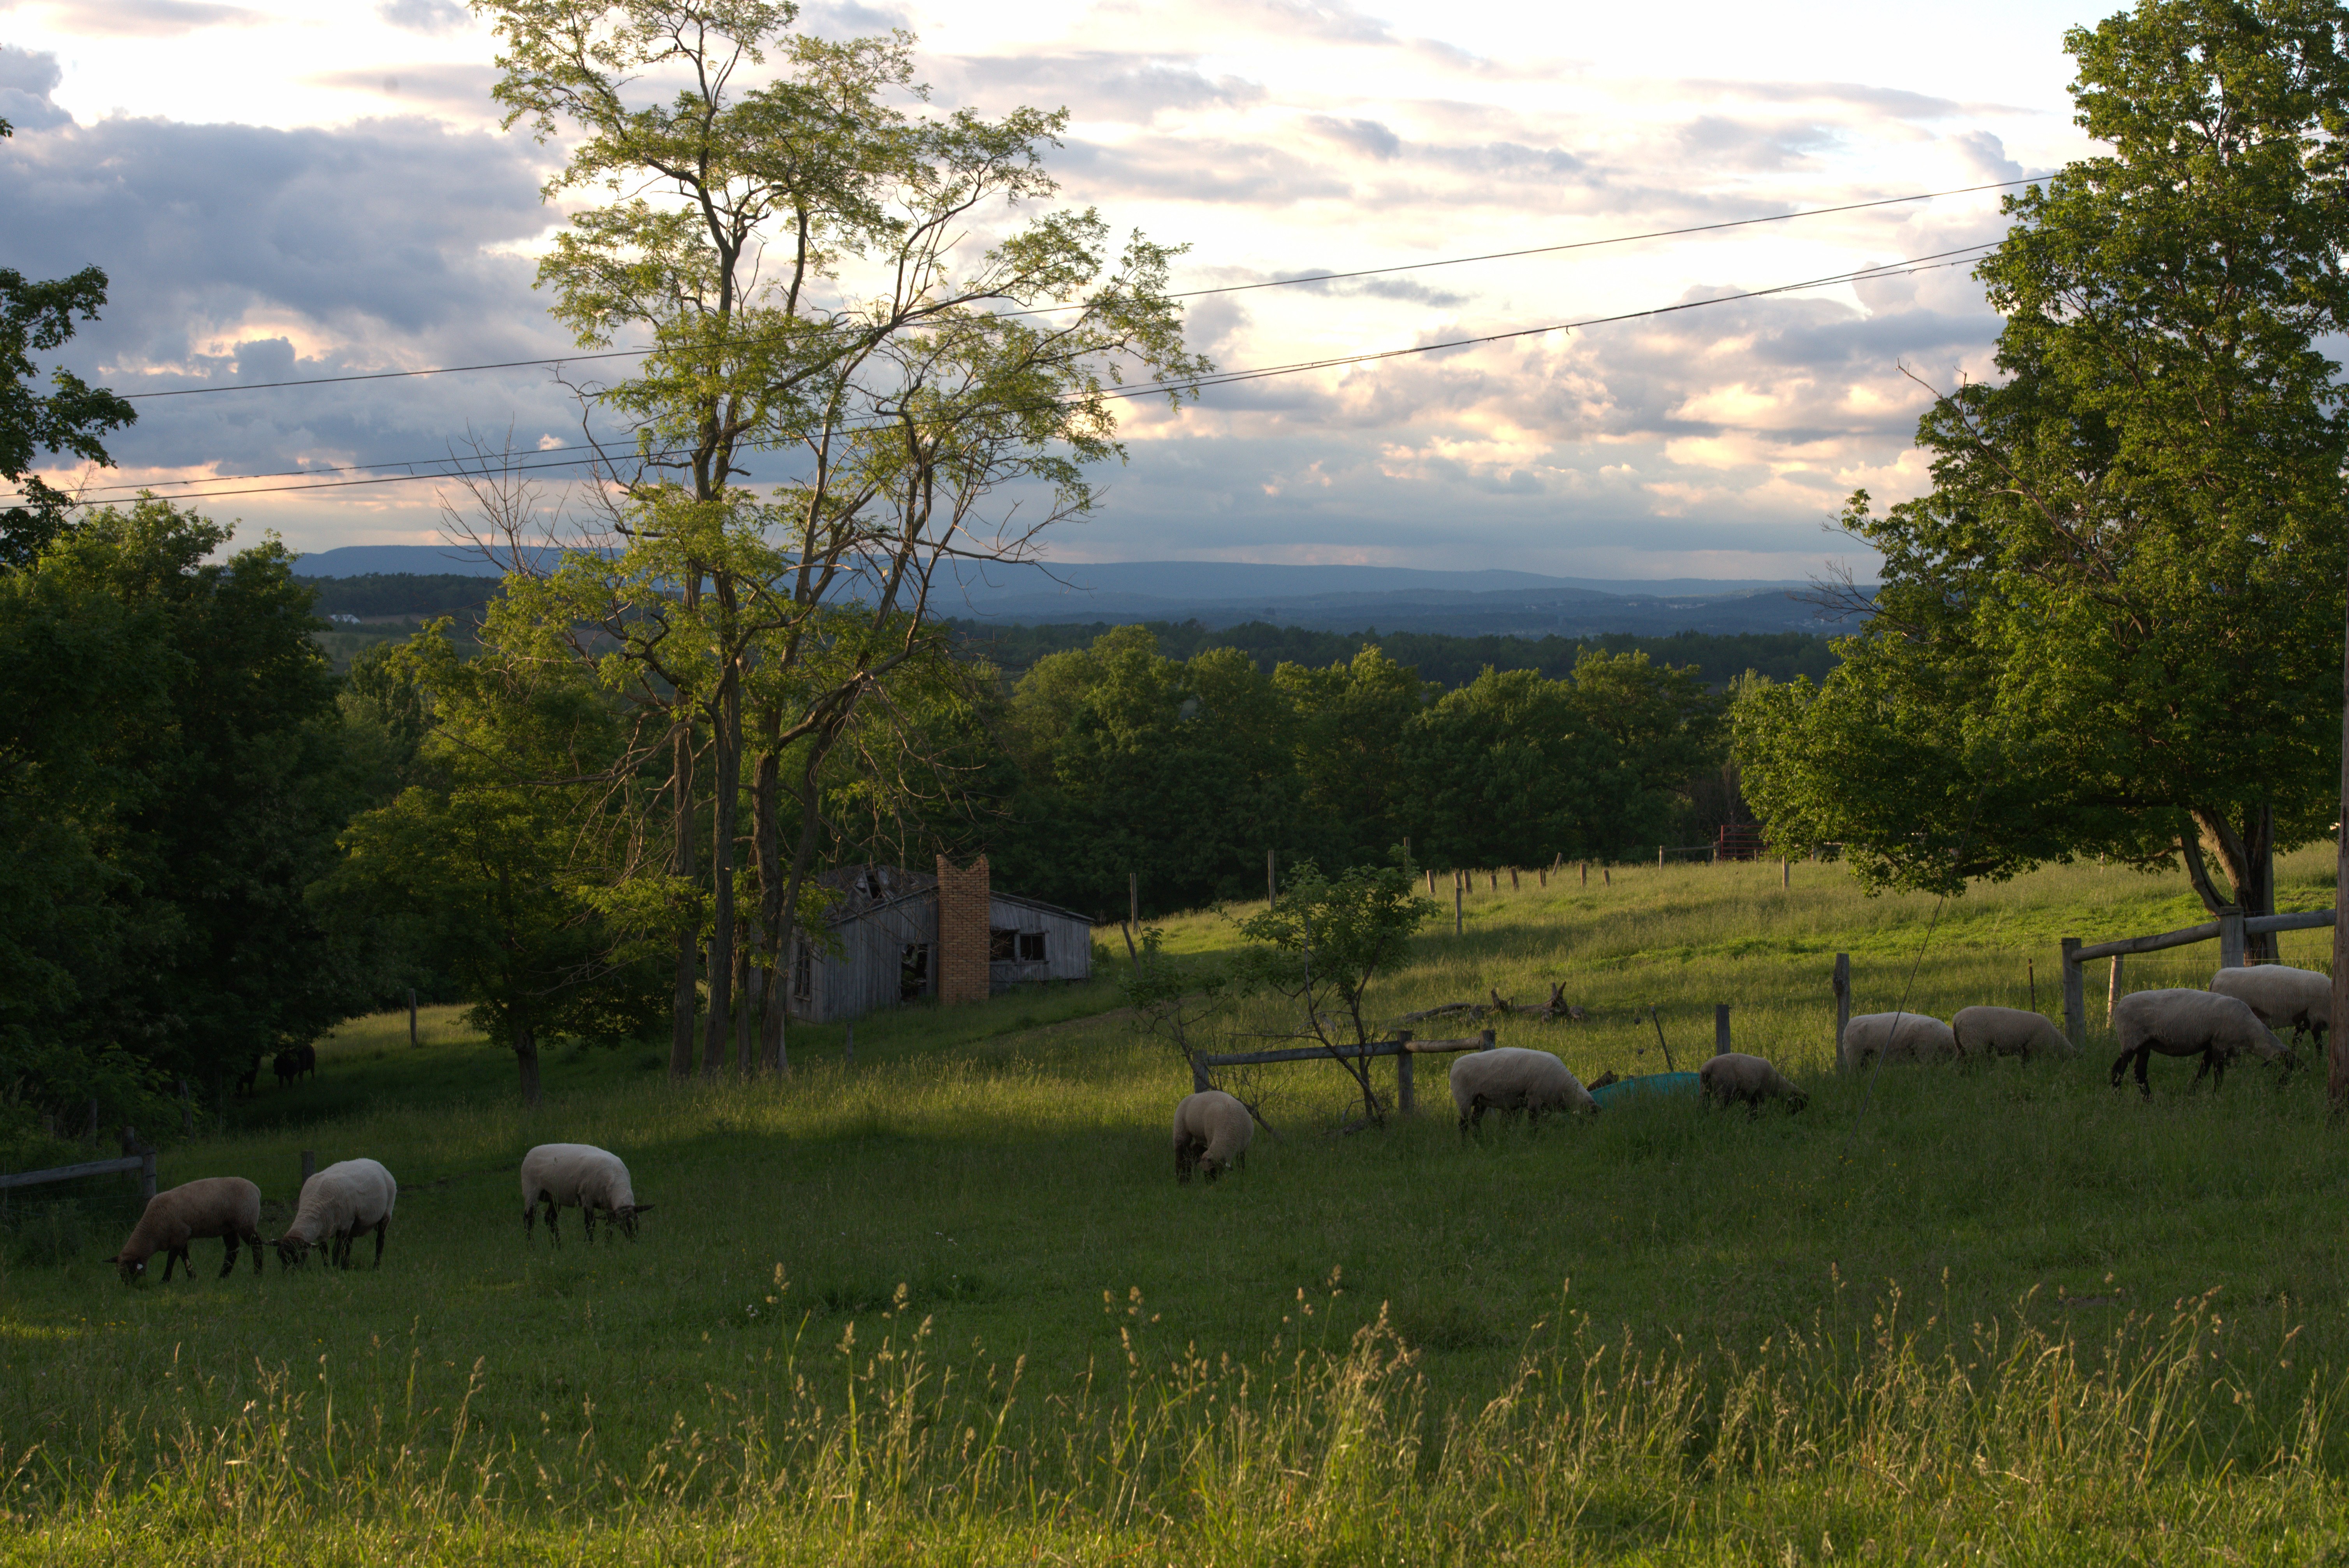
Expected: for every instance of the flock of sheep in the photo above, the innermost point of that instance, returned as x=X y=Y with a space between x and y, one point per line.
x=2237 y=1017
x=351 y=1198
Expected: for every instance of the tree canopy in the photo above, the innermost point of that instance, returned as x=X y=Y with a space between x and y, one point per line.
x=2113 y=625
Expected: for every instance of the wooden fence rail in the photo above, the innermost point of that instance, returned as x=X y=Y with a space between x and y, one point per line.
x=141 y=1158
x=1400 y=1046
x=2229 y=929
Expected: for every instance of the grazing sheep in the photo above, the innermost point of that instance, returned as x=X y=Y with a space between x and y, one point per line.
x=337 y=1203
x=2007 y=1032
x=1733 y=1078
x=1899 y=1037
x=2281 y=995
x=1511 y=1078
x=1211 y=1132
x=2183 y=1023
x=578 y=1176
x=228 y=1207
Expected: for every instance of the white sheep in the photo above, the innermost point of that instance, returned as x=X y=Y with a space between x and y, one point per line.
x=2281 y=995
x=1897 y=1036
x=1511 y=1078
x=337 y=1203
x=2184 y=1022
x=578 y=1176
x=228 y=1207
x=2007 y=1032
x=1733 y=1078
x=1211 y=1132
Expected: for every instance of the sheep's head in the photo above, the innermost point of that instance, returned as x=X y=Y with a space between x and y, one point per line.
x=292 y=1251
x=1209 y=1167
x=625 y=1216
x=132 y=1269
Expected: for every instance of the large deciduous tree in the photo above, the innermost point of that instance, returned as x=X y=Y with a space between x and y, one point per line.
x=846 y=388
x=2113 y=626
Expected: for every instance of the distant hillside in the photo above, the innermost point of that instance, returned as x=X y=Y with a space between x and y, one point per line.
x=1339 y=599
x=386 y=594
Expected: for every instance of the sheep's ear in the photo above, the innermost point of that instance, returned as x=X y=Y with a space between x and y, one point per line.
x=642 y=1209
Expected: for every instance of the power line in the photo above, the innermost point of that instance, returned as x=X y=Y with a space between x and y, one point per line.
x=1185 y=294
x=1929 y=262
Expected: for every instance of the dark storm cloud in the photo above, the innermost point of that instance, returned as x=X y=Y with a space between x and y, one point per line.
x=375 y=237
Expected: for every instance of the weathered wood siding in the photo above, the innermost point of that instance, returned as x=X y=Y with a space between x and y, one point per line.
x=1067 y=943
x=868 y=973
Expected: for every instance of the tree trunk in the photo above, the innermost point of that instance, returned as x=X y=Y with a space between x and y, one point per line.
x=526 y=1058
x=766 y=849
x=726 y=748
x=2247 y=855
x=681 y=1007
x=2336 y=1040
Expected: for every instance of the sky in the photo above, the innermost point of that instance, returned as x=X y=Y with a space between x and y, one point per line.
x=288 y=193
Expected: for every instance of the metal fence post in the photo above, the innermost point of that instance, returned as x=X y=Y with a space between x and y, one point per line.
x=1406 y=1101
x=2075 y=1006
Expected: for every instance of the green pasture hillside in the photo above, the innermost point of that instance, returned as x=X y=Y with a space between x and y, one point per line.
x=948 y=1303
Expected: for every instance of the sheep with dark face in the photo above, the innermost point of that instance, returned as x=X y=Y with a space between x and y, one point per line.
x=2007 y=1032
x=2185 y=1023
x=228 y=1207
x=1733 y=1078
x=2281 y=995
x=559 y=1176
x=336 y=1204
x=1212 y=1132
x=1513 y=1078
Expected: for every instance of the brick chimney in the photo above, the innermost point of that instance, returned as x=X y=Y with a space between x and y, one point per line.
x=965 y=906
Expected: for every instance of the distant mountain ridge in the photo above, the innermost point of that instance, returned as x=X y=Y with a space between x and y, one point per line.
x=1335 y=598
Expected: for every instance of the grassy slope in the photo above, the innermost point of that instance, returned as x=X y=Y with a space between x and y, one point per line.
x=1006 y=1164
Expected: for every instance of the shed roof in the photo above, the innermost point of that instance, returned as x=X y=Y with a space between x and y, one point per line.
x=863 y=890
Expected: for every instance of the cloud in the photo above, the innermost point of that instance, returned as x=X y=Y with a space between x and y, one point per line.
x=1103 y=85
x=1988 y=153
x=1367 y=137
x=463 y=89
x=1717 y=141
x=26 y=80
x=424 y=16
x=241 y=253
x=150 y=19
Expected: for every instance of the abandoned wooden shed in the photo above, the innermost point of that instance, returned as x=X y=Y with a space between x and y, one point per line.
x=893 y=946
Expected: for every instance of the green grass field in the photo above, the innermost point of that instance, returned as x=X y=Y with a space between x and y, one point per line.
x=948 y=1303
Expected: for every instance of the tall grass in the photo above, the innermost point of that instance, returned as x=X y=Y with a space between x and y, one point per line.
x=1858 y=1434
x=948 y=1305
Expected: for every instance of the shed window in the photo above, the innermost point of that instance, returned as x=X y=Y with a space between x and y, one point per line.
x=1032 y=947
x=803 y=972
x=1001 y=944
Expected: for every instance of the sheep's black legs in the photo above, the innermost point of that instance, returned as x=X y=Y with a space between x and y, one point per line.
x=380 y=1227
x=253 y=1244
x=2120 y=1066
x=587 y=1218
x=2144 y=1055
x=552 y=1214
x=171 y=1258
x=1187 y=1155
x=228 y=1263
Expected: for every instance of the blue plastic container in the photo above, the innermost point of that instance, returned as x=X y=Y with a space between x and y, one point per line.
x=1622 y=1091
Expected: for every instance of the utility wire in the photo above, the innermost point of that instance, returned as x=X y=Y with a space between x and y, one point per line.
x=1930 y=262
x=1185 y=294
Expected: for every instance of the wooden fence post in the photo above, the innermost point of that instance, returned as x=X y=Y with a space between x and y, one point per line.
x=2112 y=990
x=1492 y=881
x=1198 y=1077
x=1586 y=874
x=1406 y=1103
x=1271 y=887
x=1660 y=857
x=1541 y=875
x=309 y=1169
x=1786 y=874
x=2230 y=938
x=1606 y=876
x=1458 y=919
x=1132 y=916
x=411 y=1017
x=1721 y=1029
x=1842 y=1001
x=2075 y=1007
x=1431 y=881
x=1513 y=879
x=2031 y=977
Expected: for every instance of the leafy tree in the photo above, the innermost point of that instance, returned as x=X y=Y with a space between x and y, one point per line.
x=172 y=774
x=1355 y=724
x=799 y=255
x=2112 y=626
x=1322 y=943
x=502 y=866
x=36 y=318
